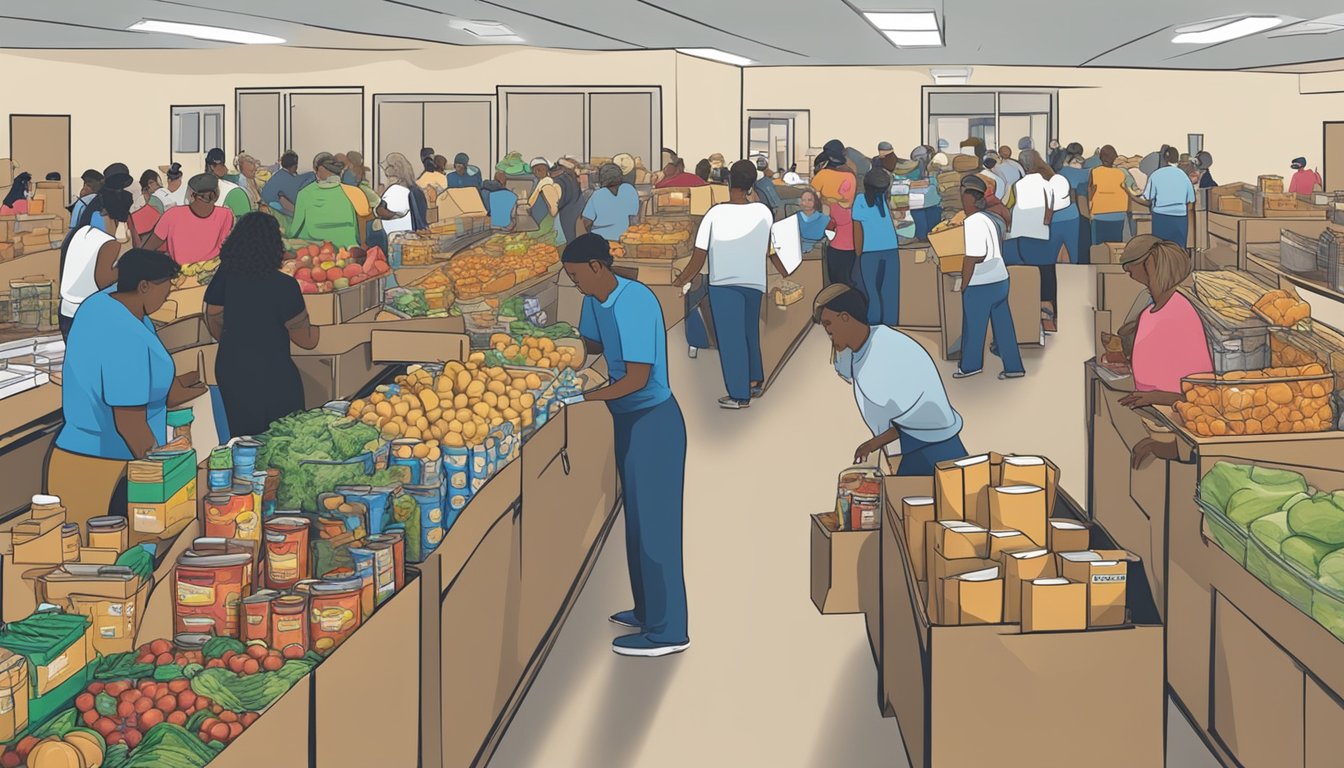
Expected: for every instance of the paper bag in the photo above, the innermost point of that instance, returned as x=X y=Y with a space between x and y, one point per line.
x=1068 y=536
x=1054 y=605
x=960 y=488
x=973 y=598
x=916 y=513
x=1001 y=542
x=955 y=540
x=940 y=570
x=1020 y=567
x=1019 y=508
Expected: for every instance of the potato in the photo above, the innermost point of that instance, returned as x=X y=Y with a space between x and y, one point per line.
x=510 y=414
x=391 y=430
x=434 y=453
x=490 y=399
x=453 y=440
x=461 y=401
x=476 y=357
x=412 y=433
x=421 y=451
x=370 y=418
x=533 y=381
x=383 y=409
x=429 y=400
x=401 y=409
x=497 y=387
x=463 y=379
x=527 y=400
x=511 y=352
x=481 y=409
x=546 y=345
x=475 y=389
x=534 y=354
x=469 y=430
x=434 y=415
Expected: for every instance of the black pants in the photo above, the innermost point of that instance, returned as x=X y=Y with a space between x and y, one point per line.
x=65 y=324
x=1050 y=285
x=840 y=267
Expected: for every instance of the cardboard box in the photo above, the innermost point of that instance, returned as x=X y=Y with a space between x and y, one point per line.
x=1024 y=302
x=184 y=334
x=1106 y=253
x=375 y=667
x=954 y=540
x=706 y=197
x=113 y=599
x=345 y=305
x=1054 y=605
x=842 y=563
x=950 y=246
x=1004 y=542
x=279 y=737
x=973 y=598
x=1068 y=536
x=153 y=518
x=156 y=620
x=459 y=203
x=333 y=376
x=394 y=346
x=14 y=689
x=652 y=271
x=917 y=512
x=941 y=570
x=934 y=680
x=1106 y=582
x=1020 y=568
x=1020 y=508
x=41 y=550
x=961 y=488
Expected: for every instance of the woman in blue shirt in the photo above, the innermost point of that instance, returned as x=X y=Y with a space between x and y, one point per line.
x=610 y=209
x=1079 y=179
x=875 y=247
x=622 y=320
x=118 y=385
x=812 y=221
x=930 y=213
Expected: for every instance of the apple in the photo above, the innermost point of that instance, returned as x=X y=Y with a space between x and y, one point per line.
x=340 y=264
x=340 y=283
x=333 y=273
x=353 y=270
x=307 y=287
x=327 y=264
x=357 y=279
x=303 y=275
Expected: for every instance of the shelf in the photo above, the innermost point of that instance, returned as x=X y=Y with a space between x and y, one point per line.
x=1267 y=258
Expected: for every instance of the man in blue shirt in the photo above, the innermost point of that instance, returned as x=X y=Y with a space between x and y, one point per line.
x=1172 y=197
x=282 y=190
x=609 y=210
x=623 y=321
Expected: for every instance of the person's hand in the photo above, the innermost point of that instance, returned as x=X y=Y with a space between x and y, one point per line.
x=1140 y=399
x=866 y=449
x=1146 y=450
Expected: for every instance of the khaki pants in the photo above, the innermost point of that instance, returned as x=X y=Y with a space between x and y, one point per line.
x=85 y=484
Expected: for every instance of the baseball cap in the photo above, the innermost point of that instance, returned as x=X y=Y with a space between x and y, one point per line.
x=884 y=148
x=203 y=182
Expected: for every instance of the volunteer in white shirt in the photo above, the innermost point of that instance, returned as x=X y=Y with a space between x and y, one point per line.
x=735 y=238
x=984 y=277
x=397 y=194
x=896 y=385
x=175 y=192
x=88 y=262
x=1037 y=198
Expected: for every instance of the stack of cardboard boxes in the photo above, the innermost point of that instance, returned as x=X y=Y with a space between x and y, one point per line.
x=161 y=490
x=986 y=550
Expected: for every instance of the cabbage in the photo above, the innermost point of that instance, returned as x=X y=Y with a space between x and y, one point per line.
x=1320 y=518
x=1250 y=504
x=1331 y=570
x=1271 y=530
x=1306 y=551
x=1220 y=482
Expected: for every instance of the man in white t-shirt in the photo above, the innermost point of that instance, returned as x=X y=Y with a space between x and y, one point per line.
x=735 y=238
x=985 y=293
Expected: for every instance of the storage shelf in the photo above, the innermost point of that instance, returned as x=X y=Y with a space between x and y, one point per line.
x=1267 y=258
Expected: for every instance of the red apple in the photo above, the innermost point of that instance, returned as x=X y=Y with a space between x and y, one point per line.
x=353 y=270
x=357 y=279
x=306 y=287
x=335 y=274
x=303 y=275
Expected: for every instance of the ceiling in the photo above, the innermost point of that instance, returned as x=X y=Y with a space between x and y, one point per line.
x=1136 y=33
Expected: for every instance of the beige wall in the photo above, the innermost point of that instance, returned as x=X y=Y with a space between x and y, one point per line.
x=1253 y=123
x=121 y=111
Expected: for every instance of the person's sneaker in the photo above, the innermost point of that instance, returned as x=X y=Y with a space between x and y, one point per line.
x=757 y=392
x=730 y=404
x=1012 y=375
x=625 y=619
x=960 y=374
x=642 y=646
x=1048 y=326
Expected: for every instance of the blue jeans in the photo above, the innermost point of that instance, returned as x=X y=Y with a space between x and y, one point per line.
x=1173 y=228
x=926 y=219
x=1108 y=230
x=736 y=313
x=983 y=305
x=1064 y=234
x=882 y=282
x=918 y=457
x=651 y=462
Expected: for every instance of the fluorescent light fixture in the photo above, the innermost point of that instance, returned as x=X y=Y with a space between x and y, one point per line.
x=483 y=29
x=908 y=29
x=202 y=32
x=1221 y=32
x=714 y=54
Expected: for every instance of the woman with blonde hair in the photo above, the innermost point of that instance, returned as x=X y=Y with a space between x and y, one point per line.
x=401 y=195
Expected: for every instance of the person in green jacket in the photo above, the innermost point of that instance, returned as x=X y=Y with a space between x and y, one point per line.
x=323 y=212
x=231 y=195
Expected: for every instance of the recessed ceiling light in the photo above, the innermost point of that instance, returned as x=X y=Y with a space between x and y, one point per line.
x=714 y=54
x=202 y=32
x=1221 y=32
x=908 y=29
x=484 y=29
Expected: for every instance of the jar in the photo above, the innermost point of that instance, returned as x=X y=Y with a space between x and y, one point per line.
x=70 y=542
x=221 y=515
x=190 y=641
x=286 y=551
x=245 y=458
x=13 y=695
x=109 y=533
x=257 y=616
x=220 y=472
x=334 y=613
x=289 y=623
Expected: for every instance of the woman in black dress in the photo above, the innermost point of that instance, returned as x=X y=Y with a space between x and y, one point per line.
x=255 y=311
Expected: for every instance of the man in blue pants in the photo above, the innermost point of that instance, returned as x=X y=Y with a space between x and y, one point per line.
x=623 y=321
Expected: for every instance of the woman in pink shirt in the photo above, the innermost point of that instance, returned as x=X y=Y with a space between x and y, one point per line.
x=17 y=199
x=1169 y=343
x=194 y=232
x=1304 y=181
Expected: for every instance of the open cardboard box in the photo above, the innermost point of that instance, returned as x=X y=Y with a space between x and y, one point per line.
x=982 y=695
x=844 y=567
x=408 y=346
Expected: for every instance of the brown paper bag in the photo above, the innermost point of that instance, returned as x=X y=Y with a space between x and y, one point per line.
x=1053 y=605
x=1018 y=568
x=973 y=598
x=1068 y=536
x=916 y=513
x=1019 y=508
x=1008 y=541
x=960 y=488
x=1106 y=580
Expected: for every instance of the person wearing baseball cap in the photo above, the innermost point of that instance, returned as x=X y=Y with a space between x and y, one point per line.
x=612 y=205
x=622 y=320
x=464 y=174
x=884 y=148
x=984 y=285
x=1305 y=181
x=911 y=409
x=231 y=195
x=838 y=187
x=193 y=232
x=1169 y=341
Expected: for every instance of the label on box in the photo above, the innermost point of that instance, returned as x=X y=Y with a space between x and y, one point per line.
x=6 y=704
x=116 y=609
x=57 y=665
x=1108 y=578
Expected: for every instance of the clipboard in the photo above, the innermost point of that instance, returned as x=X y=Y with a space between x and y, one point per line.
x=787 y=242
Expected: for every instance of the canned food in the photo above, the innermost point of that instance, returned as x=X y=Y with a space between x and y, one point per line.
x=211 y=587
x=305 y=586
x=429 y=503
x=109 y=533
x=334 y=613
x=222 y=512
x=366 y=571
x=190 y=641
x=70 y=542
x=289 y=622
x=257 y=616
x=376 y=500
x=245 y=458
x=286 y=551
x=394 y=540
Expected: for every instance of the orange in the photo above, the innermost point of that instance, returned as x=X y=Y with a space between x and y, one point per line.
x=1279 y=393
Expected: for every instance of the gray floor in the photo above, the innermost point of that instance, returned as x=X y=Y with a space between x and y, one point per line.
x=769 y=681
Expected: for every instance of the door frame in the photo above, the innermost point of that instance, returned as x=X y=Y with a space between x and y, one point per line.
x=380 y=99
x=1325 y=155
x=655 y=93
x=800 y=132
x=223 y=131
x=69 y=154
x=285 y=128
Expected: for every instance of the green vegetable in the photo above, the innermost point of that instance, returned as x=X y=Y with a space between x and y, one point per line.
x=249 y=693
x=412 y=303
x=1252 y=503
x=1331 y=570
x=170 y=745
x=520 y=328
x=116 y=756
x=139 y=560
x=121 y=666
x=351 y=437
x=194 y=722
x=1272 y=529
x=105 y=704
x=216 y=647
x=308 y=436
x=168 y=672
x=60 y=724
x=191 y=670
x=1225 y=486
x=1321 y=517
x=1306 y=551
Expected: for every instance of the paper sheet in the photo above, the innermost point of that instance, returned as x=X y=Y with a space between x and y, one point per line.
x=788 y=243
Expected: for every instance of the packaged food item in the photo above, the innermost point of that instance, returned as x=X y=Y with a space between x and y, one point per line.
x=334 y=613
x=289 y=622
x=366 y=570
x=13 y=695
x=211 y=586
x=287 y=552
x=391 y=545
x=428 y=502
x=109 y=533
x=257 y=610
x=220 y=469
x=377 y=499
x=244 y=453
x=859 y=493
x=221 y=514
x=70 y=542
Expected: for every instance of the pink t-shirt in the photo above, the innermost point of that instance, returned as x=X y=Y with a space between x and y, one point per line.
x=188 y=238
x=1304 y=182
x=1168 y=346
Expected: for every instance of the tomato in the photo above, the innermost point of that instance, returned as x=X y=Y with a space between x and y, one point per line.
x=143 y=705
x=293 y=651
x=272 y=663
x=178 y=686
x=84 y=702
x=219 y=731
x=105 y=726
x=96 y=687
x=164 y=658
x=90 y=717
x=178 y=718
x=186 y=699
x=151 y=718
x=228 y=717
x=160 y=646
x=166 y=703
x=251 y=667
x=257 y=651
x=125 y=709
x=116 y=688
x=132 y=738
x=214 y=664
x=235 y=730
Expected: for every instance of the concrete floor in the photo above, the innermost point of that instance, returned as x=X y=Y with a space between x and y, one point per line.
x=769 y=681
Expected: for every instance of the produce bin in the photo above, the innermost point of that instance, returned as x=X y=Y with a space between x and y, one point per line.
x=1235 y=346
x=279 y=737
x=1229 y=536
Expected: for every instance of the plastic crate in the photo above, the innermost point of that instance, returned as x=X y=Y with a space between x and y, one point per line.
x=1230 y=537
x=1245 y=406
x=1235 y=345
x=1285 y=578
x=1296 y=252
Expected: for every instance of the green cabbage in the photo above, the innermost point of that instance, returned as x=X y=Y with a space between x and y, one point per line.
x=1271 y=530
x=1221 y=482
x=1321 y=518
x=1252 y=503
x=1331 y=570
x=1306 y=551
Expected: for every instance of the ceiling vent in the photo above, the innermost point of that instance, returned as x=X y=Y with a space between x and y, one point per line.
x=950 y=75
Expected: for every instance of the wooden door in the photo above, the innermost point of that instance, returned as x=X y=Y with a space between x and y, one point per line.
x=40 y=144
